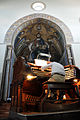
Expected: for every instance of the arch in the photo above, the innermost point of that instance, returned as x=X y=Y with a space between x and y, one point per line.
x=23 y=22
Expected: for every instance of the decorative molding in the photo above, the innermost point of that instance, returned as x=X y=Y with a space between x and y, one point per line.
x=23 y=22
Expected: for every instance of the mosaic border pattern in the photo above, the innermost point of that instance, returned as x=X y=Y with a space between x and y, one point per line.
x=23 y=22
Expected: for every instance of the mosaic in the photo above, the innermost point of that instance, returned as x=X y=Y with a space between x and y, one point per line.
x=55 y=35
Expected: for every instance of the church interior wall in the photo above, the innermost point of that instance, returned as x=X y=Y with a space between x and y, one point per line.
x=9 y=14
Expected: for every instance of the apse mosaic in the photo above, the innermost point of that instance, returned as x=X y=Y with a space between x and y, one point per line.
x=39 y=36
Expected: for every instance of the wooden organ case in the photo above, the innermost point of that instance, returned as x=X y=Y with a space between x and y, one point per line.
x=25 y=94
x=28 y=94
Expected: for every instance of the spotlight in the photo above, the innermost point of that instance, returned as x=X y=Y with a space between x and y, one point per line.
x=38 y=6
x=75 y=80
x=30 y=77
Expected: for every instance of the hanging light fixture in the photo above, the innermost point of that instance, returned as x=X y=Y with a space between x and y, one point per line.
x=38 y=6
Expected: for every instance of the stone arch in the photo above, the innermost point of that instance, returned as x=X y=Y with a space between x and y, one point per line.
x=16 y=27
x=21 y=23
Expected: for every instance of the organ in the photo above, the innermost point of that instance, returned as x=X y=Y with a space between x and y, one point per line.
x=28 y=92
